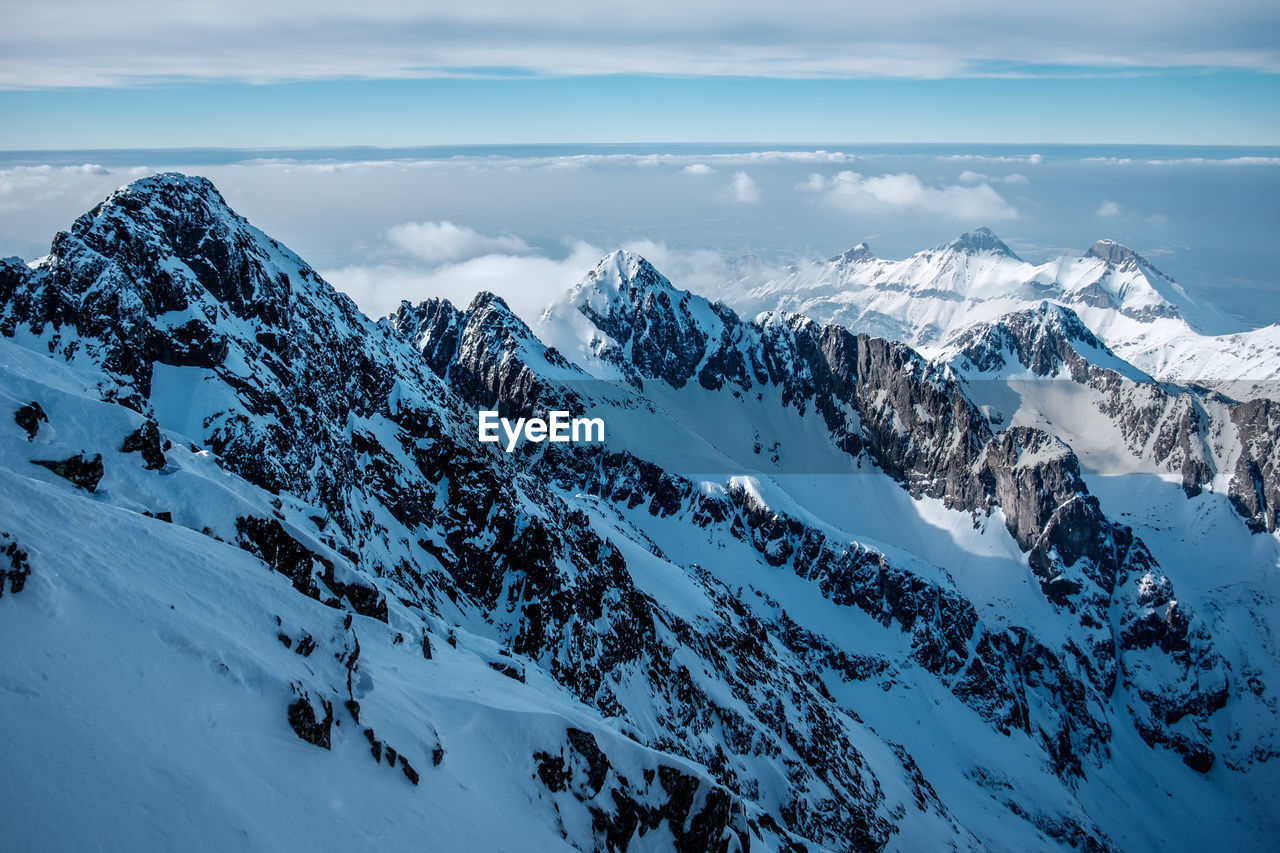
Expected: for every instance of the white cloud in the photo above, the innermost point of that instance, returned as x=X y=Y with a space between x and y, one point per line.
x=44 y=178
x=697 y=169
x=78 y=187
x=1108 y=209
x=968 y=177
x=743 y=189
x=906 y=192
x=437 y=242
x=527 y=283
x=815 y=183
x=1015 y=178
x=82 y=42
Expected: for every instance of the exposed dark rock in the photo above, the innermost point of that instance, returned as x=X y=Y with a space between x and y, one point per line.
x=29 y=417
x=375 y=745
x=620 y=810
x=281 y=552
x=146 y=439
x=302 y=718
x=83 y=472
x=19 y=568
x=508 y=668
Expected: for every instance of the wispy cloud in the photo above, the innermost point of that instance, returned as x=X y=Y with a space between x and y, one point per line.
x=970 y=177
x=1033 y=159
x=906 y=192
x=1108 y=209
x=1186 y=161
x=78 y=42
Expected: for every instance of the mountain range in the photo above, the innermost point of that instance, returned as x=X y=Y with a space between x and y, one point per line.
x=930 y=298
x=955 y=551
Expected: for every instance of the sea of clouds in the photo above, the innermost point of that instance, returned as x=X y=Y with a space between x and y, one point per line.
x=528 y=224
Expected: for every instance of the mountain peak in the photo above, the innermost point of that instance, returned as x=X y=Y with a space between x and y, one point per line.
x=167 y=191
x=858 y=254
x=1115 y=254
x=488 y=301
x=621 y=276
x=623 y=267
x=980 y=241
x=177 y=209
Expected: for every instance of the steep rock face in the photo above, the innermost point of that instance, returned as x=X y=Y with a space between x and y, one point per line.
x=648 y=320
x=164 y=273
x=433 y=328
x=482 y=351
x=1195 y=435
x=874 y=394
x=1255 y=484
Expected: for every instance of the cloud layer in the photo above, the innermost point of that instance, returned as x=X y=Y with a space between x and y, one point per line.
x=77 y=42
x=530 y=224
x=906 y=192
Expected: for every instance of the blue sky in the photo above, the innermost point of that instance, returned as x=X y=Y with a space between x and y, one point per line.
x=1145 y=106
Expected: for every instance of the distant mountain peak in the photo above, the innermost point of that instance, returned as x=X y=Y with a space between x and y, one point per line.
x=1114 y=254
x=858 y=254
x=980 y=241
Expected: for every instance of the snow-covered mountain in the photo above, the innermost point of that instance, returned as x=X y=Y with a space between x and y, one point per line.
x=265 y=586
x=930 y=298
